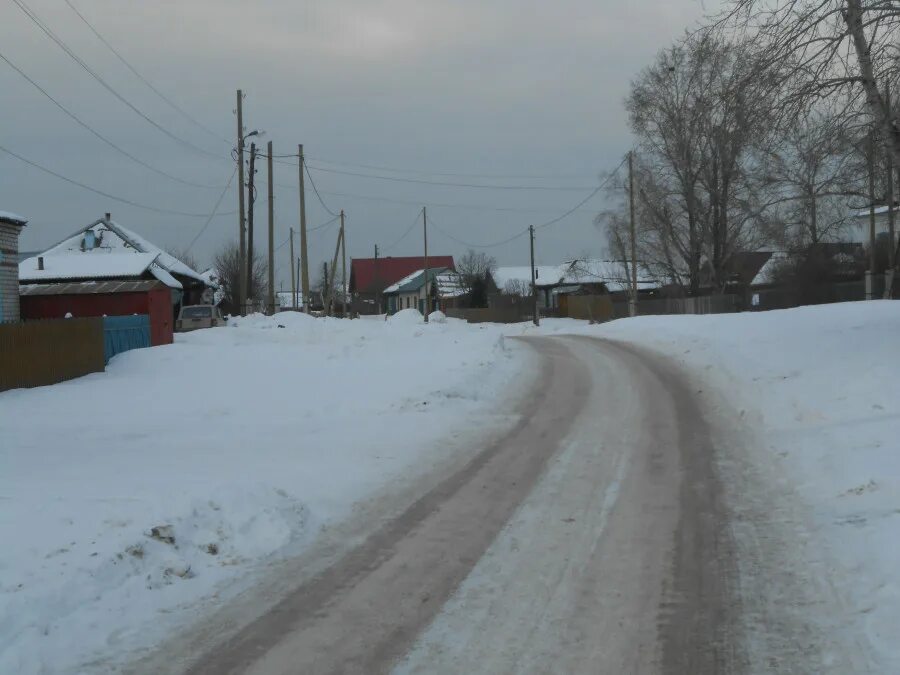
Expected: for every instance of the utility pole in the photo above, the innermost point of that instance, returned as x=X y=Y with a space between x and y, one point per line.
x=297 y=281
x=427 y=285
x=377 y=292
x=534 y=299
x=870 y=273
x=324 y=282
x=251 y=201
x=632 y=302
x=304 y=268
x=344 y=265
x=329 y=303
x=271 y=298
x=293 y=285
x=242 y=285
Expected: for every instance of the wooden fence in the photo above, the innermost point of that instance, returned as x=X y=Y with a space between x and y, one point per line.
x=35 y=353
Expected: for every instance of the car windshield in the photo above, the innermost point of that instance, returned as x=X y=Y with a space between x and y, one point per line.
x=196 y=312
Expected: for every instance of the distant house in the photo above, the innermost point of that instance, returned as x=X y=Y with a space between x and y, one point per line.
x=105 y=269
x=580 y=276
x=410 y=292
x=369 y=277
x=10 y=227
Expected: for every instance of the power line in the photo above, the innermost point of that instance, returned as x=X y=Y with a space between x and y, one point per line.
x=107 y=194
x=449 y=184
x=213 y=213
x=323 y=225
x=316 y=190
x=144 y=79
x=586 y=199
x=423 y=172
x=62 y=45
x=391 y=246
x=470 y=244
x=473 y=207
x=96 y=133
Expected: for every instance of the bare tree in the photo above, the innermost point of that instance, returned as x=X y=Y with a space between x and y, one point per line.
x=517 y=287
x=699 y=113
x=835 y=48
x=814 y=167
x=475 y=267
x=228 y=268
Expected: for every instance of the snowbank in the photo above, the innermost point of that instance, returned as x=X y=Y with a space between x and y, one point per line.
x=236 y=444
x=407 y=316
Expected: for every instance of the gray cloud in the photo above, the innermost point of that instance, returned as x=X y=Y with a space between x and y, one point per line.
x=502 y=87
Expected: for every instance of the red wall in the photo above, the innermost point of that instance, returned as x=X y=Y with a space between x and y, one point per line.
x=156 y=303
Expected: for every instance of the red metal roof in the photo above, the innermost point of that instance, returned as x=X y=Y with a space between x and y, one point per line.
x=365 y=275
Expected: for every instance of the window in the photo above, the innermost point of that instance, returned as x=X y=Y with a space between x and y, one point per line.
x=196 y=312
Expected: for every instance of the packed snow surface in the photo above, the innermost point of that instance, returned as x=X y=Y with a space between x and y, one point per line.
x=237 y=444
x=816 y=390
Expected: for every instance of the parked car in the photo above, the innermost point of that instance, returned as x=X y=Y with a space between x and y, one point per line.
x=193 y=317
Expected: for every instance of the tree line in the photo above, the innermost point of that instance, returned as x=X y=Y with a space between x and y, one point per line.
x=759 y=129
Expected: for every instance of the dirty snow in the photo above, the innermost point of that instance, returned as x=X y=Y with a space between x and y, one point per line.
x=241 y=442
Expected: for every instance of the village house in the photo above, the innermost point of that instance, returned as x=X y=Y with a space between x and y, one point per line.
x=10 y=227
x=369 y=277
x=410 y=292
x=105 y=269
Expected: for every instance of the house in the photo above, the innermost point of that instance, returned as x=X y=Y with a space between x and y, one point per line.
x=10 y=227
x=369 y=277
x=105 y=269
x=579 y=277
x=410 y=291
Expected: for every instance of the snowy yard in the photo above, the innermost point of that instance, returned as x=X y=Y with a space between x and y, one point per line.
x=244 y=440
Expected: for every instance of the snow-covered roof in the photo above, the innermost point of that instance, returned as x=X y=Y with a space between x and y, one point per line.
x=612 y=273
x=879 y=211
x=414 y=281
x=11 y=217
x=83 y=266
x=117 y=252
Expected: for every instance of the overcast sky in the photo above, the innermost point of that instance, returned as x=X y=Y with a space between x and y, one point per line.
x=499 y=92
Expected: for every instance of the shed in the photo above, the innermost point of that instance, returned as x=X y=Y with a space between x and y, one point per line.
x=103 y=298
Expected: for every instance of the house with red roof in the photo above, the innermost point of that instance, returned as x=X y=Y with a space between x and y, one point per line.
x=369 y=277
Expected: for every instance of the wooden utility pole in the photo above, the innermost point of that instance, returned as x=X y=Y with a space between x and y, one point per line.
x=329 y=303
x=242 y=284
x=427 y=285
x=251 y=202
x=297 y=279
x=534 y=298
x=304 y=260
x=377 y=288
x=293 y=283
x=324 y=282
x=344 y=265
x=870 y=273
x=271 y=294
x=632 y=301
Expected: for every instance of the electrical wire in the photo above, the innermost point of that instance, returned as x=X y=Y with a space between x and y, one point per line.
x=323 y=225
x=107 y=194
x=447 y=183
x=62 y=45
x=316 y=190
x=213 y=213
x=584 y=201
x=96 y=133
x=391 y=246
x=423 y=172
x=143 y=79
x=470 y=244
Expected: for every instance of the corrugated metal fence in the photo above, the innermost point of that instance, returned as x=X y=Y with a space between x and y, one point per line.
x=35 y=353
x=122 y=333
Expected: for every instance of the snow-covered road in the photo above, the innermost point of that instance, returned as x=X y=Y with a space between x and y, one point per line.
x=618 y=561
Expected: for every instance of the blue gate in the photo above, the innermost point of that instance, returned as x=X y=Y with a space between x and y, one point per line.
x=121 y=333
